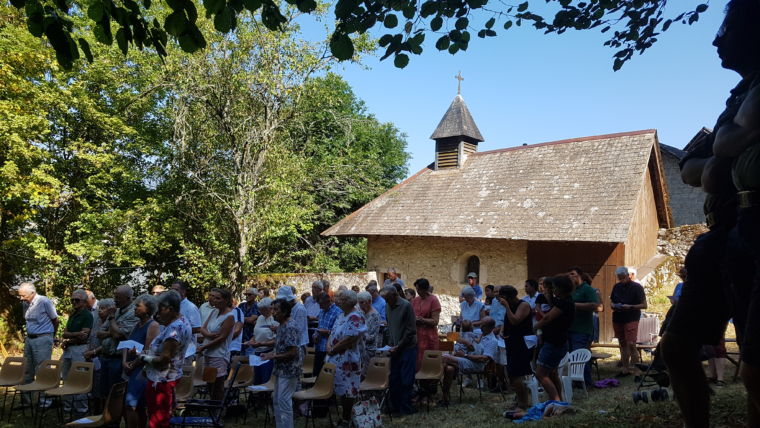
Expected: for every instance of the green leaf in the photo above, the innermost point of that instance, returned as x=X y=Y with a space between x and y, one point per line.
x=34 y=23
x=306 y=6
x=390 y=21
x=436 y=23
x=462 y=23
x=385 y=40
x=147 y=4
x=490 y=23
x=252 y=5
x=102 y=33
x=192 y=12
x=85 y=49
x=272 y=17
x=701 y=8
x=121 y=40
x=522 y=7
x=341 y=46
x=225 y=21
x=453 y=49
x=96 y=11
x=409 y=11
x=176 y=23
x=401 y=60
x=507 y=25
x=443 y=43
x=344 y=7
x=428 y=8
x=214 y=7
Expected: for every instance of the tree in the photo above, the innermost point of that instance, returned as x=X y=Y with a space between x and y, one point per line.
x=635 y=24
x=263 y=155
x=77 y=206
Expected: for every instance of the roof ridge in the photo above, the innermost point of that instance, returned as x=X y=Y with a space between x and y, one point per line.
x=569 y=140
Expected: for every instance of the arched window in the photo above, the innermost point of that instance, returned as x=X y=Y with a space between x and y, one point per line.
x=473 y=265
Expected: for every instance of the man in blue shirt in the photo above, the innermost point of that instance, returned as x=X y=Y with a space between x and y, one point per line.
x=327 y=317
x=393 y=278
x=377 y=302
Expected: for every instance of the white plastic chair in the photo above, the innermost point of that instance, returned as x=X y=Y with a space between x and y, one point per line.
x=535 y=389
x=576 y=362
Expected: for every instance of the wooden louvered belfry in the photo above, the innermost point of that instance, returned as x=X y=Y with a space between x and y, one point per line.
x=456 y=136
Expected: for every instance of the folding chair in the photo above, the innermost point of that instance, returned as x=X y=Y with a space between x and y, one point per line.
x=78 y=382
x=322 y=390
x=11 y=374
x=48 y=376
x=377 y=377
x=111 y=414
x=214 y=409
x=430 y=370
x=266 y=390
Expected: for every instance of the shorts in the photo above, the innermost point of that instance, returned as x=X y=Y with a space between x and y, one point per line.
x=702 y=311
x=551 y=355
x=220 y=364
x=467 y=366
x=626 y=332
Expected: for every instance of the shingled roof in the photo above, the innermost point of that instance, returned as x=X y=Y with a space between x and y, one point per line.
x=457 y=122
x=582 y=189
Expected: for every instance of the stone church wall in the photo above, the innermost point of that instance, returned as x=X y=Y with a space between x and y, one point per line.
x=685 y=201
x=443 y=261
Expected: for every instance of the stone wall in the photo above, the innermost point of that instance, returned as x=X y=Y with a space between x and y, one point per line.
x=443 y=261
x=685 y=201
x=302 y=281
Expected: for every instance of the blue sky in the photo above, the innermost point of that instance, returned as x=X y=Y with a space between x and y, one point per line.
x=526 y=87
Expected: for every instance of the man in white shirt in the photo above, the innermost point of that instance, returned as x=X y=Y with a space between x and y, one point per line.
x=531 y=292
x=297 y=314
x=191 y=313
x=312 y=302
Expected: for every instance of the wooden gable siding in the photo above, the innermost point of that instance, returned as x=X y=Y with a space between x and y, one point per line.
x=598 y=259
x=446 y=153
x=641 y=244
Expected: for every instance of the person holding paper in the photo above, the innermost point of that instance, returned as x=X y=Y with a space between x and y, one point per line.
x=288 y=362
x=518 y=323
x=263 y=340
x=143 y=334
x=164 y=359
x=344 y=349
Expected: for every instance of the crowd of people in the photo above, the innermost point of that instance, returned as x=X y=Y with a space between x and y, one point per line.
x=148 y=339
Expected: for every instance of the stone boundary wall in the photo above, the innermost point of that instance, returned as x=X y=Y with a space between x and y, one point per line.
x=302 y=281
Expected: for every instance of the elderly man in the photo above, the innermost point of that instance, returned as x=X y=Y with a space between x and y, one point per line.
x=377 y=302
x=471 y=309
x=157 y=289
x=120 y=322
x=297 y=314
x=75 y=339
x=250 y=314
x=312 y=302
x=472 y=361
x=92 y=303
x=327 y=316
x=627 y=301
x=402 y=335
x=393 y=278
x=191 y=314
x=41 y=326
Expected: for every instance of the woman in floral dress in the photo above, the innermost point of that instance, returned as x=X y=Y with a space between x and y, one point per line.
x=372 y=338
x=344 y=349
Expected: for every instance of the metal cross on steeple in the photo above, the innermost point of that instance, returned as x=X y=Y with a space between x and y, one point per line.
x=459 y=83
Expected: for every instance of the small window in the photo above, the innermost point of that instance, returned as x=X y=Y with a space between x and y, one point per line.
x=473 y=265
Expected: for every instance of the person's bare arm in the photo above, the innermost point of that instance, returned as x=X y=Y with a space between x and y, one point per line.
x=344 y=344
x=732 y=139
x=549 y=317
x=523 y=310
x=224 y=331
x=691 y=172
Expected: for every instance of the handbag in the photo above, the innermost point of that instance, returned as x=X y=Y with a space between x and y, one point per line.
x=366 y=414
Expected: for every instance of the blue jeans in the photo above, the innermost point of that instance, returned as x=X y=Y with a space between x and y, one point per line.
x=110 y=373
x=402 y=380
x=582 y=341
